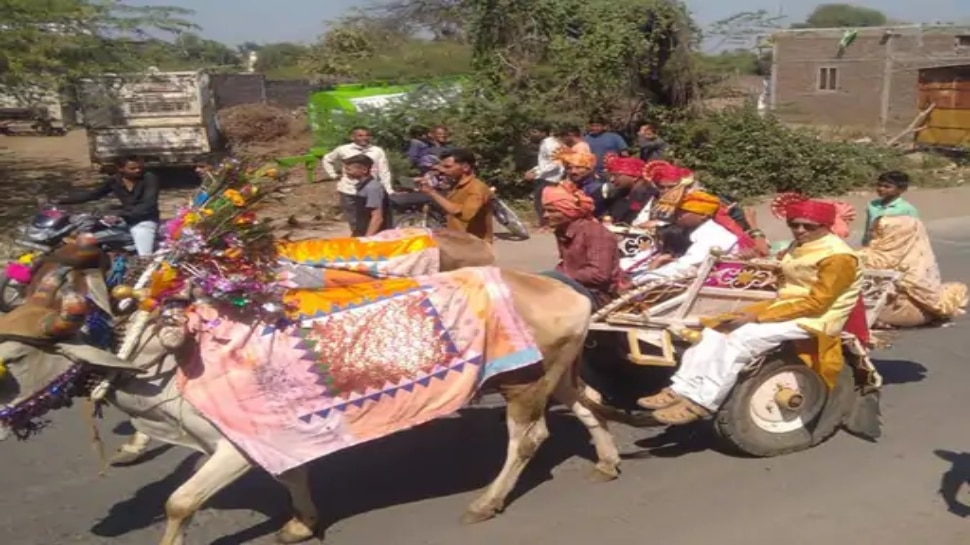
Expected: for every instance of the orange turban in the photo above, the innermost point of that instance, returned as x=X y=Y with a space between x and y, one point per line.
x=567 y=199
x=578 y=159
x=700 y=202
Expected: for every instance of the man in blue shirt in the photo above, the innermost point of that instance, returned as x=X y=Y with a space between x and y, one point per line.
x=602 y=142
x=890 y=187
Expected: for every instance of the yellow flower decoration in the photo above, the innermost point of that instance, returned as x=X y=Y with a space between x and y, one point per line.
x=234 y=197
x=190 y=219
x=3 y=370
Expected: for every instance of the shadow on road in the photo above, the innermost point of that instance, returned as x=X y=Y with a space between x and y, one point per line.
x=441 y=458
x=956 y=482
x=900 y=371
x=22 y=180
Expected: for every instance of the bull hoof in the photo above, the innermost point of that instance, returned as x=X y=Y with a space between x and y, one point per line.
x=603 y=473
x=294 y=532
x=124 y=457
x=474 y=517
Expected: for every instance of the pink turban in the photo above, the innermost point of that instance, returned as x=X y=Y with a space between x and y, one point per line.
x=568 y=200
x=624 y=166
x=662 y=171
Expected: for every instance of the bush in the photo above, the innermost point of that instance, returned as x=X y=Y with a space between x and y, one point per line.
x=739 y=152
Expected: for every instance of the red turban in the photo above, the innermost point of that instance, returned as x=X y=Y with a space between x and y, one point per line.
x=568 y=199
x=625 y=166
x=820 y=212
x=662 y=171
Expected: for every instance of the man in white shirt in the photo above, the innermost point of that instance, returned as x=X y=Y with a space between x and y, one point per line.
x=332 y=164
x=696 y=212
x=549 y=170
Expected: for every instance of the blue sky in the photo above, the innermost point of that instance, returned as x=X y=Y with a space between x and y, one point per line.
x=237 y=21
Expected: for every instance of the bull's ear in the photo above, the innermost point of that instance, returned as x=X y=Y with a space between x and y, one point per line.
x=14 y=350
x=95 y=356
x=98 y=290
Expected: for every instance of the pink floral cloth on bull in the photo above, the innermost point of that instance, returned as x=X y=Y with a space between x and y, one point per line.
x=362 y=361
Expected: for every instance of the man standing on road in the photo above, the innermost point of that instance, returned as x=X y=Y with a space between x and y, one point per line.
x=372 y=211
x=548 y=170
x=332 y=164
x=469 y=203
x=603 y=142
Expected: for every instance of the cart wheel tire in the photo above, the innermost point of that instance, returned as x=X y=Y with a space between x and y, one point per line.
x=748 y=422
x=510 y=220
x=12 y=293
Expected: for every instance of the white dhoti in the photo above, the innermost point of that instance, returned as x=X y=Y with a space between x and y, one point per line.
x=709 y=370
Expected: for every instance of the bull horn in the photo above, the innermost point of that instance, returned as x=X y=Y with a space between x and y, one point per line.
x=98 y=291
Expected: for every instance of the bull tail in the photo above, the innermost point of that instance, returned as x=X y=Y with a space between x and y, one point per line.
x=644 y=420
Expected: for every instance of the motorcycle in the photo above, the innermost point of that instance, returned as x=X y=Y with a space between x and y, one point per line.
x=50 y=229
x=414 y=209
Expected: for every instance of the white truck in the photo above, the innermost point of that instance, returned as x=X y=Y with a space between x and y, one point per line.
x=166 y=118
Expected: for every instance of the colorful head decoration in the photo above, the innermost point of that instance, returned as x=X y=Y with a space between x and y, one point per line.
x=578 y=159
x=820 y=212
x=700 y=202
x=568 y=200
x=664 y=172
x=624 y=166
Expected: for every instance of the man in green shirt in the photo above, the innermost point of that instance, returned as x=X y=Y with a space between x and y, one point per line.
x=890 y=187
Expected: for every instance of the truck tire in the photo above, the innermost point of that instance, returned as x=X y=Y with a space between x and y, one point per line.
x=752 y=423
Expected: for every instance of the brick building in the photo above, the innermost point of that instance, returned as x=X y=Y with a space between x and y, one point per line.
x=873 y=83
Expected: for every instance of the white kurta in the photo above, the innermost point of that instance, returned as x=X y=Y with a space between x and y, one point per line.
x=549 y=168
x=709 y=370
x=331 y=164
x=708 y=236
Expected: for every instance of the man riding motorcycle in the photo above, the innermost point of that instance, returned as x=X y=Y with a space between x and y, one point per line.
x=138 y=192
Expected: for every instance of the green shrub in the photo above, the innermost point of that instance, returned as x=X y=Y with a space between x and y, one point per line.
x=739 y=152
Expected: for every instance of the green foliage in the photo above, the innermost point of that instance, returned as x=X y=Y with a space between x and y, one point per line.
x=739 y=152
x=362 y=49
x=843 y=16
x=48 y=43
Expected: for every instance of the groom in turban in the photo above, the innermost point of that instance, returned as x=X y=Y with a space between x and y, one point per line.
x=818 y=297
x=695 y=216
x=588 y=256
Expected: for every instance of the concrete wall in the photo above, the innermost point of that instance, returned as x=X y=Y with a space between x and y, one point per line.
x=877 y=75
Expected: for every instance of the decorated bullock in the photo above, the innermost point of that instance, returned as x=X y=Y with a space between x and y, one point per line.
x=235 y=356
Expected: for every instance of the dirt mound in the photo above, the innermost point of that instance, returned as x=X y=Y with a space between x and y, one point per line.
x=251 y=123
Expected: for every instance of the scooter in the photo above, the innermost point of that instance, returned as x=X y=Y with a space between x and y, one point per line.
x=50 y=229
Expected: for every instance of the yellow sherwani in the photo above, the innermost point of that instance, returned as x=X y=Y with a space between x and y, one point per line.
x=820 y=286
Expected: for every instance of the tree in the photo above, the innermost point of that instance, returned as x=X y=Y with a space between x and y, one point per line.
x=843 y=16
x=367 y=47
x=46 y=44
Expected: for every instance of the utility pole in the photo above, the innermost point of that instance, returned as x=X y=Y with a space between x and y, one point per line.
x=887 y=81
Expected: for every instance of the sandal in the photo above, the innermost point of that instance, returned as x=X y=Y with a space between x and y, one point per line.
x=661 y=400
x=682 y=413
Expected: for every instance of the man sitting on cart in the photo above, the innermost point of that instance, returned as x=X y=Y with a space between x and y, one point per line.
x=674 y=183
x=695 y=214
x=818 y=297
x=589 y=260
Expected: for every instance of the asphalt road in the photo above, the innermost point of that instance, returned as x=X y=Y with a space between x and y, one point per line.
x=411 y=488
